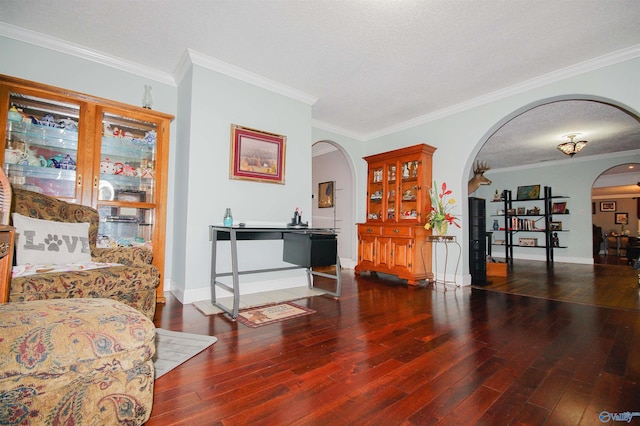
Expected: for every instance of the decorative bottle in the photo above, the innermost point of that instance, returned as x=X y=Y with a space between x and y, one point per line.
x=228 y=219
x=147 y=100
x=495 y=225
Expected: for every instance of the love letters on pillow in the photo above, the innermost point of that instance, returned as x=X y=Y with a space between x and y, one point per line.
x=43 y=241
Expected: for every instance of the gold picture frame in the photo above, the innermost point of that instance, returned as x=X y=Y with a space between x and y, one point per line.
x=257 y=155
x=326 y=194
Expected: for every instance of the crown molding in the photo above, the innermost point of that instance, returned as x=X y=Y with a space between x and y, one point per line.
x=238 y=73
x=191 y=57
x=73 y=49
x=534 y=83
x=338 y=130
x=183 y=67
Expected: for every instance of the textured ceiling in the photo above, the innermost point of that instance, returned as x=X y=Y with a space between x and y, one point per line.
x=533 y=136
x=372 y=64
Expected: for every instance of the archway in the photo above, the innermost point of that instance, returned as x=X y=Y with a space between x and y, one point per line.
x=615 y=196
x=528 y=144
x=331 y=164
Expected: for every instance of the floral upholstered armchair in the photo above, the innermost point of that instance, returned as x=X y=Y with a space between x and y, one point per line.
x=122 y=274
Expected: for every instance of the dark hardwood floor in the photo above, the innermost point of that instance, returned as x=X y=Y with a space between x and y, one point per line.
x=386 y=354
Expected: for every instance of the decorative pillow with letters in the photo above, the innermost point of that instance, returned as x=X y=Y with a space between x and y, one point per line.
x=43 y=241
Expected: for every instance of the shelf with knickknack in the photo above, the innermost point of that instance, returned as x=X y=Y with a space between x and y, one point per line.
x=533 y=215
x=91 y=151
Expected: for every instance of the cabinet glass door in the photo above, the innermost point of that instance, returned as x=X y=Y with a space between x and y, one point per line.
x=409 y=190
x=376 y=193
x=392 y=200
x=41 y=145
x=127 y=180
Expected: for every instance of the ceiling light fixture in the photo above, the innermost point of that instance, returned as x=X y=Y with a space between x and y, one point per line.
x=571 y=148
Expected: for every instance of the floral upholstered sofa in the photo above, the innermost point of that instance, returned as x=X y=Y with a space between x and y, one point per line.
x=125 y=273
x=75 y=362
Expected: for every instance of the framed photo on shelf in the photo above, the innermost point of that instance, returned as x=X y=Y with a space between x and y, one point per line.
x=257 y=155
x=555 y=226
x=559 y=208
x=622 y=218
x=529 y=192
x=607 y=206
x=325 y=194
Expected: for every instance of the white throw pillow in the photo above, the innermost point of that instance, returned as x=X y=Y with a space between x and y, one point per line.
x=43 y=241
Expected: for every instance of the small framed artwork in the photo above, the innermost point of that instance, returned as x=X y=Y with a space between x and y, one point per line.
x=555 y=226
x=622 y=218
x=325 y=194
x=529 y=192
x=257 y=155
x=607 y=206
x=559 y=208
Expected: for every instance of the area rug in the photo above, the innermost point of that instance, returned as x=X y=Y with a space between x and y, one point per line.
x=259 y=299
x=174 y=348
x=269 y=314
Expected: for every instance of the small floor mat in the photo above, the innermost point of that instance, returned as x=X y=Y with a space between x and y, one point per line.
x=272 y=313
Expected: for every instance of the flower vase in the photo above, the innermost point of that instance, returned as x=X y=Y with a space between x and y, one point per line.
x=440 y=228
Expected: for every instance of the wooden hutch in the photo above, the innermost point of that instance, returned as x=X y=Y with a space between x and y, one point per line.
x=392 y=240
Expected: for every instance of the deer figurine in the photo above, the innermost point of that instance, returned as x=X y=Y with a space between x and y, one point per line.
x=478 y=177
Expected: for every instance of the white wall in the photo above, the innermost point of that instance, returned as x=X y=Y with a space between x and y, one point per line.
x=217 y=101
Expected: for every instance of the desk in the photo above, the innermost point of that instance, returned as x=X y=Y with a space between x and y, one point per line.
x=303 y=247
x=7 y=236
x=444 y=240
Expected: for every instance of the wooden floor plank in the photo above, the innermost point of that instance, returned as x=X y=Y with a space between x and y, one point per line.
x=537 y=347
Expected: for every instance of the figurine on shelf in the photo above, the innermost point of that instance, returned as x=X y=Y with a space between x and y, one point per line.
x=555 y=241
x=405 y=171
x=496 y=196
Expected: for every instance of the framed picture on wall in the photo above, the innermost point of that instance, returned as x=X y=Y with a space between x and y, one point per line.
x=325 y=194
x=622 y=218
x=256 y=155
x=529 y=192
x=607 y=206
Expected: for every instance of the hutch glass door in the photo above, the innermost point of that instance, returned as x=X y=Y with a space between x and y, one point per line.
x=41 y=145
x=127 y=180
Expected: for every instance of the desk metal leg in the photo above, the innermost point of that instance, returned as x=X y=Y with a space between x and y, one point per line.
x=213 y=237
x=235 y=288
x=234 y=270
x=337 y=277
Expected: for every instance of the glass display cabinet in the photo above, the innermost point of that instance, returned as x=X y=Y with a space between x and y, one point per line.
x=391 y=240
x=91 y=151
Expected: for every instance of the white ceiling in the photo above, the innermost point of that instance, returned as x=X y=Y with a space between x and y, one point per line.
x=374 y=65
